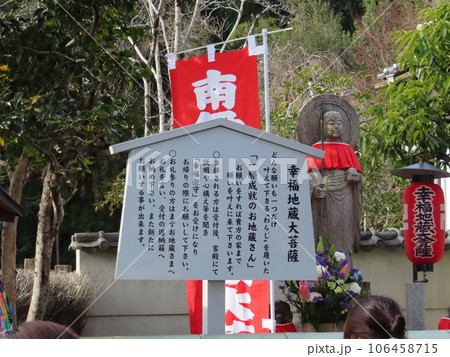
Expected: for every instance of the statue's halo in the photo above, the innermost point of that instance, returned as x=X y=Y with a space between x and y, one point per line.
x=308 y=122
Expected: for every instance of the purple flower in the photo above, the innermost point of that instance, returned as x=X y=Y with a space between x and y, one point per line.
x=345 y=305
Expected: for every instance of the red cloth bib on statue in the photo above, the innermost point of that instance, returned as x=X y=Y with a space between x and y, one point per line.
x=289 y=327
x=444 y=324
x=337 y=156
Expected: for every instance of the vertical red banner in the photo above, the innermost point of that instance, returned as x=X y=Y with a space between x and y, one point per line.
x=247 y=306
x=226 y=87
x=206 y=88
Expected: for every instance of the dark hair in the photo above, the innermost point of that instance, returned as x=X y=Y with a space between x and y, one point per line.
x=283 y=314
x=375 y=317
x=42 y=330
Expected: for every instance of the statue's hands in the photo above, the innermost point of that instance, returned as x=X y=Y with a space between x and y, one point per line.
x=353 y=175
x=320 y=191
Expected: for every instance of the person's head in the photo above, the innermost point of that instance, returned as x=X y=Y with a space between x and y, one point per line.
x=283 y=313
x=43 y=330
x=332 y=126
x=375 y=317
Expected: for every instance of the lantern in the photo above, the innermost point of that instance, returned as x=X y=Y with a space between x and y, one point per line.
x=424 y=222
x=423 y=216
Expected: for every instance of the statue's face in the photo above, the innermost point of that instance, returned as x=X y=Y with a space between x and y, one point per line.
x=333 y=126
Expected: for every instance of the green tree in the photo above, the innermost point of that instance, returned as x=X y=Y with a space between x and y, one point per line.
x=316 y=27
x=412 y=121
x=373 y=48
x=350 y=10
x=63 y=101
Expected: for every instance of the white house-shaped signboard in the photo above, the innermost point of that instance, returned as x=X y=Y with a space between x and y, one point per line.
x=216 y=201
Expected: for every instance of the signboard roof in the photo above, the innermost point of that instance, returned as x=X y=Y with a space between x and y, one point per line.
x=191 y=130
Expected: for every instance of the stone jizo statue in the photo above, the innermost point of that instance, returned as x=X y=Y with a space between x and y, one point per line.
x=336 y=188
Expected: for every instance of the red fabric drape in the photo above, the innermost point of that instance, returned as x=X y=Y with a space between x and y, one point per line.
x=337 y=156
x=444 y=324
x=226 y=87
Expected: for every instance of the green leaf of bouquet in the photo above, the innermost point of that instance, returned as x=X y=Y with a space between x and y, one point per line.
x=332 y=250
x=320 y=248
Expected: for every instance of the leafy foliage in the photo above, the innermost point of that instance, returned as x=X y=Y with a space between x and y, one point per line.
x=114 y=196
x=317 y=28
x=349 y=10
x=65 y=94
x=59 y=90
x=412 y=123
x=295 y=93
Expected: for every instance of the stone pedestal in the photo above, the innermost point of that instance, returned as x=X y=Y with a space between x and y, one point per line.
x=63 y=268
x=415 y=306
x=28 y=264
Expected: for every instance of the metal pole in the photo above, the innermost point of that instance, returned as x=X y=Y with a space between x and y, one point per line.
x=57 y=248
x=233 y=40
x=266 y=80
x=213 y=307
x=267 y=117
x=322 y=140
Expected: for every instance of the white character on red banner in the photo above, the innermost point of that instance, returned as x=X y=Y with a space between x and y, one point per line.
x=226 y=88
x=235 y=302
x=216 y=89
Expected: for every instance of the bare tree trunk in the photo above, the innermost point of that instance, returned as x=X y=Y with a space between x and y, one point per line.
x=236 y=23
x=177 y=24
x=195 y=14
x=147 y=107
x=160 y=90
x=9 y=231
x=49 y=219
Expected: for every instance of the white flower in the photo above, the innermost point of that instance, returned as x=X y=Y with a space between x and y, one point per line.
x=355 y=288
x=320 y=270
x=313 y=295
x=338 y=256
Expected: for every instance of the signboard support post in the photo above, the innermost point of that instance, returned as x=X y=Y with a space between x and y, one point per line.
x=213 y=307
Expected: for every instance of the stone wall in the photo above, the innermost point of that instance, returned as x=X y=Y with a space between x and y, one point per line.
x=142 y=308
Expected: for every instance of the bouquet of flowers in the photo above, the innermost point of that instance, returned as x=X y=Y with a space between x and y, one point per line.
x=328 y=298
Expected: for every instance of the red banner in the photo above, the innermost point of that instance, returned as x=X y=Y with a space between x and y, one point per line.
x=226 y=87
x=247 y=306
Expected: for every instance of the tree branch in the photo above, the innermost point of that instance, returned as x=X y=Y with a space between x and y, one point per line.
x=59 y=54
